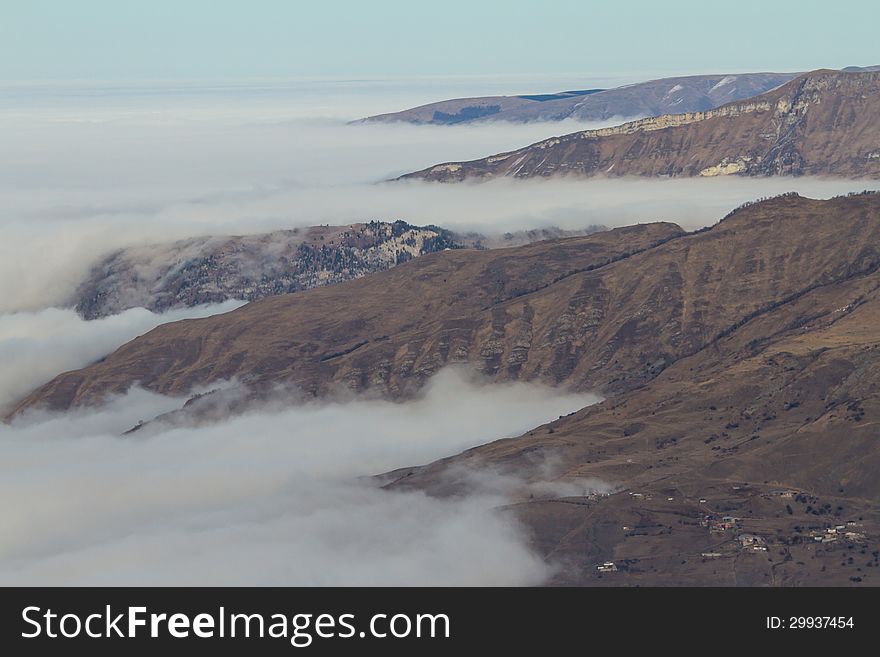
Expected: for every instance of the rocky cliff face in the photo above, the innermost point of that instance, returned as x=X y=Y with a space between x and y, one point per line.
x=653 y=98
x=214 y=269
x=819 y=124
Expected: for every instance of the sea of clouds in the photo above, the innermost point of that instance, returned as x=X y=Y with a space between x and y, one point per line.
x=275 y=496
x=90 y=170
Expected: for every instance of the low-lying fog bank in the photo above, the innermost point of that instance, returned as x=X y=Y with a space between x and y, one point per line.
x=272 y=497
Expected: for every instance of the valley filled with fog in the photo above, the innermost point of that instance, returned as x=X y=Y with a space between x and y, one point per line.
x=275 y=496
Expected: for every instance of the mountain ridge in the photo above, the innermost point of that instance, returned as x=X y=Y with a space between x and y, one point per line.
x=654 y=97
x=194 y=271
x=787 y=131
x=483 y=279
x=604 y=312
x=249 y=267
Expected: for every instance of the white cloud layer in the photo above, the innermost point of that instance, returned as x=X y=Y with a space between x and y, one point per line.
x=85 y=174
x=268 y=497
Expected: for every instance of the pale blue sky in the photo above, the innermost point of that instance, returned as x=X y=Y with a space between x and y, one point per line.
x=211 y=39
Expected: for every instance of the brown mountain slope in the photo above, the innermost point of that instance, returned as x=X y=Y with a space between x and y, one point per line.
x=386 y=331
x=822 y=123
x=608 y=311
x=776 y=424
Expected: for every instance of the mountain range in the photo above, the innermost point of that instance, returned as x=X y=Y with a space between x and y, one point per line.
x=821 y=123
